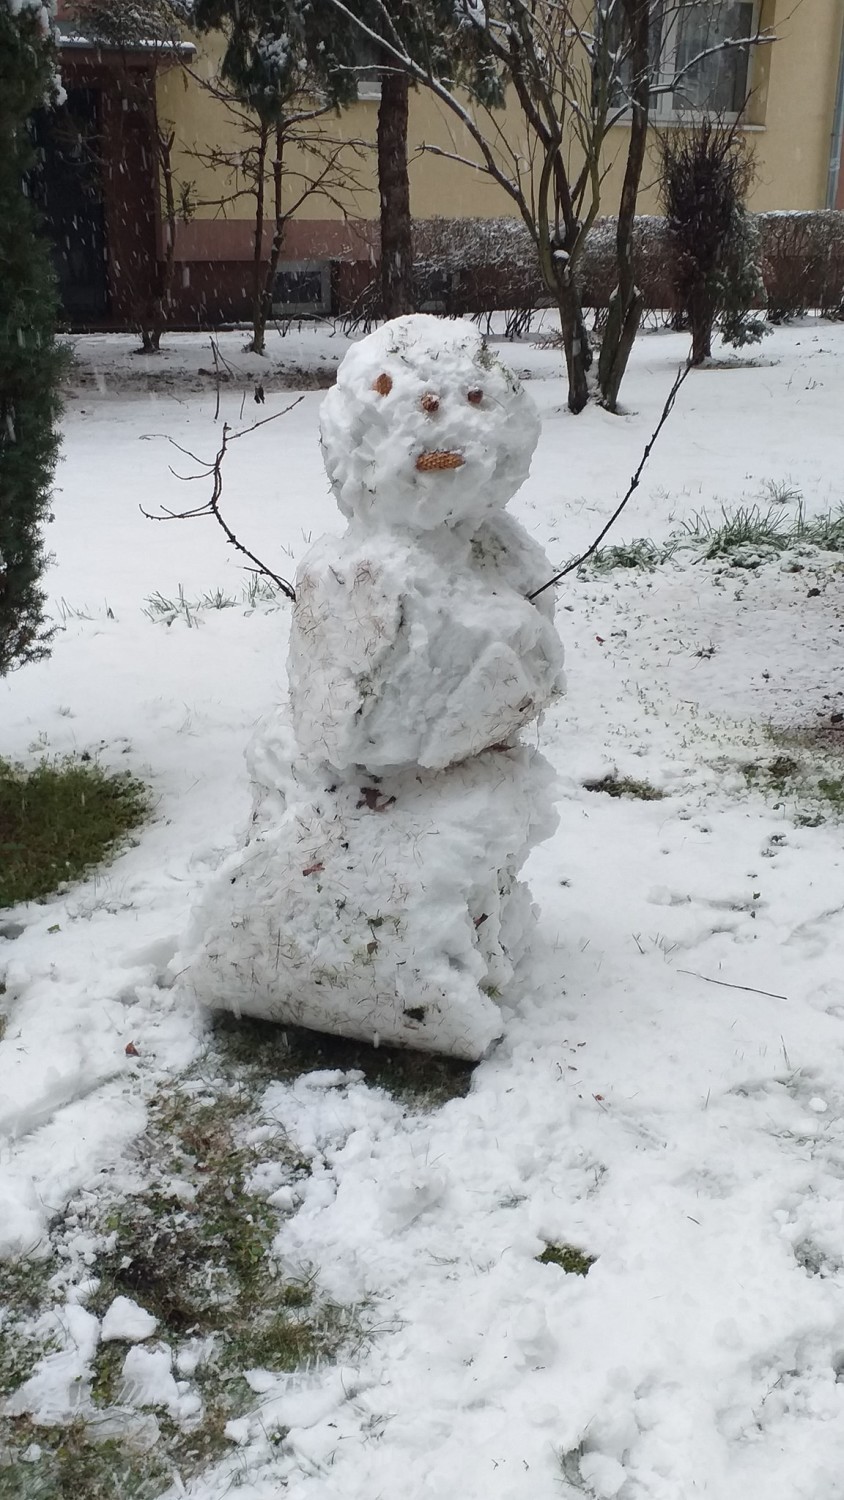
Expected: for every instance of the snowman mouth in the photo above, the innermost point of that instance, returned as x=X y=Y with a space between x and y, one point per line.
x=428 y=463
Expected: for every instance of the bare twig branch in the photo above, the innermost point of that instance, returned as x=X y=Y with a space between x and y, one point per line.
x=751 y=988
x=633 y=485
x=211 y=506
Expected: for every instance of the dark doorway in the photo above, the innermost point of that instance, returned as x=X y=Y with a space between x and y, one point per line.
x=70 y=194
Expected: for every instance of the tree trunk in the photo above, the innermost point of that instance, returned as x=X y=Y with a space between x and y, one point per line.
x=259 y=319
x=627 y=304
x=279 y=224
x=151 y=338
x=394 y=190
x=155 y=316
x=701 y=319
x=575 y=345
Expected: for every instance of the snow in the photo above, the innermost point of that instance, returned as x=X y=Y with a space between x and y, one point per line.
x=58 y=1389
x=393 y=804
x=665 y=1124
x=147 y=1380
x=125 y=1319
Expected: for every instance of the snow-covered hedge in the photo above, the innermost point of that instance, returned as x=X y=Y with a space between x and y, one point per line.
x=804 y=262
x=476 y=265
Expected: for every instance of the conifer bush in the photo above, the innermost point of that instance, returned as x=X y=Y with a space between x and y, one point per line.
x=31 y=362
x=706 y=173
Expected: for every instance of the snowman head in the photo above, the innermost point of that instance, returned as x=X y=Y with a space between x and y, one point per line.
x=425 y=427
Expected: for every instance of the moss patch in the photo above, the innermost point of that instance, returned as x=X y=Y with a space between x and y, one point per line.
x=571 y=1260
x=58 y=821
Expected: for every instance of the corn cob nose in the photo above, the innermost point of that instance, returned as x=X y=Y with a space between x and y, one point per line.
x=427 y=463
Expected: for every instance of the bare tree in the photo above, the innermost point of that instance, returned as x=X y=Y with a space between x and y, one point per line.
x=273 y=92
x=279 y=163
x=575 y=69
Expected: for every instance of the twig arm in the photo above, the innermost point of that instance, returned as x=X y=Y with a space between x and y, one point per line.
x=633 y=485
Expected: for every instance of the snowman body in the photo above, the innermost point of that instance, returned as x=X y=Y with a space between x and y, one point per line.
x=394 y=803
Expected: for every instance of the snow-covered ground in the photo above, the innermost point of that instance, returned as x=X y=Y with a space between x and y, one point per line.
x=668 y=1097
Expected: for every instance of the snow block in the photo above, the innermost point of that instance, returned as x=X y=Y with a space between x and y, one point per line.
x=377 y=895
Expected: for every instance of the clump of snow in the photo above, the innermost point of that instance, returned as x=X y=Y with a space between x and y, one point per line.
x=125 y=1319
x=60 y=1385
x=148 y=1380
x=377 y=895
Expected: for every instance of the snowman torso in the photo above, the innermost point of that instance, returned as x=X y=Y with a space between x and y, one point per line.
x=420 y=650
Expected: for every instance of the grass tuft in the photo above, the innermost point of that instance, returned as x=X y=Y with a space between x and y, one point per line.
x=745 y=536
x=571 y=1260
x=640 y=553
x=59 y=820
x=625 y=786
x=161 y=609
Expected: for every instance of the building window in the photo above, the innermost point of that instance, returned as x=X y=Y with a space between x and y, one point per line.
x=720 y=81
x=694 y=67
x=302 y=287
x=367 y=71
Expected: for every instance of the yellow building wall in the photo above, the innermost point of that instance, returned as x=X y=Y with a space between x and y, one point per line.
x=794 y=87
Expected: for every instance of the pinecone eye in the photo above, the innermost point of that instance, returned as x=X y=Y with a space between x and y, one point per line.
x=383 y=385
x=475 y=396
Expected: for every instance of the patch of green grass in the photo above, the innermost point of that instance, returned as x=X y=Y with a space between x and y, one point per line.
x=625 y=786
x=777 y=775
x=266 y=1052
x=72 y=1465
x=24 y=1293
x=739 y=529
x=571 y=1260
x=59 y=820
x=193 y=1245
x=257 y=590
x=831 y=788
x=640 y=553
x=808 y=769
x=199 y=1258
x=745 y=536
x=189 y=1259
x=20 y=1352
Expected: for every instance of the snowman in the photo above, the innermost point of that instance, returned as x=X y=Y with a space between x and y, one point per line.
x=377 y=893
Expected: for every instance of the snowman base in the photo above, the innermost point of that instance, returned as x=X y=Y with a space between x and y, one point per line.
x=385 y=909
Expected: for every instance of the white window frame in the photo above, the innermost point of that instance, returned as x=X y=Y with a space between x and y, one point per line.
x=663 y=108
x=369 y=90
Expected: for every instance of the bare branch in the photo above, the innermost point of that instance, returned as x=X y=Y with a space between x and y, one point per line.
x=211 y=506
x=633 y=485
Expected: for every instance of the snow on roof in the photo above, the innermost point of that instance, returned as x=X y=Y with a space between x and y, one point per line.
x=71 y=38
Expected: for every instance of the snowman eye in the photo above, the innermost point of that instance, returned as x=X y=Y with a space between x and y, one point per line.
x=429 y=402
x=475 y=396
x=383 y=385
